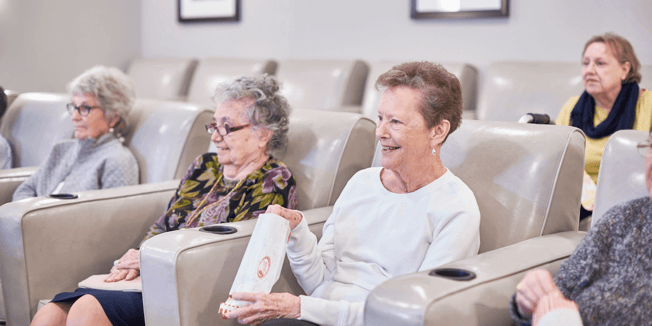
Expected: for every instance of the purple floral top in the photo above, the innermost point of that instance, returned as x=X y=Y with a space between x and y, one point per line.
x=272 y=184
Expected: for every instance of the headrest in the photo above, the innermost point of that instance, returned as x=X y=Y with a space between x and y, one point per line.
x=527 y=179
x=162 y=78
x=166 y=136
x=33 y=123
x=212 y=71
x=513 y=89
x=322 y=84
x=622 y=172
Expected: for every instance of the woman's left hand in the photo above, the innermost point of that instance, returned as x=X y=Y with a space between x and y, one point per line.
x=265 y=307
x=127 y=267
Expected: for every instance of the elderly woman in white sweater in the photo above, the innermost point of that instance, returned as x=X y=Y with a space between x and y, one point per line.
x=96 y=159
x=411 y=214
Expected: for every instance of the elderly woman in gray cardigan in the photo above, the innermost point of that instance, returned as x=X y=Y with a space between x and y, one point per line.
x=96 y=158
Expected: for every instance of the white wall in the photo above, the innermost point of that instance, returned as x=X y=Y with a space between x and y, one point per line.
x=44 y=44
x=374 y=30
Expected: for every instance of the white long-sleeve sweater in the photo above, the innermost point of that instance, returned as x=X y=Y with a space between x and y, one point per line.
x=374 y=235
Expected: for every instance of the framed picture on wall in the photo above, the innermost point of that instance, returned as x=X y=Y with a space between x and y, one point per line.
x=458 y=8
x=208 y=10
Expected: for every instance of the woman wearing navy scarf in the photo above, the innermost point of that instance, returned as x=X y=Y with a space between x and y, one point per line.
x=611 y=101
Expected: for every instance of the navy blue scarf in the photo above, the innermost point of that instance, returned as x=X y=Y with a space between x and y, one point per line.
x=621 y=116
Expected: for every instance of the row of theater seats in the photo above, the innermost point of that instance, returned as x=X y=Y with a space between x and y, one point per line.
x=510 y=89
x=526 y=178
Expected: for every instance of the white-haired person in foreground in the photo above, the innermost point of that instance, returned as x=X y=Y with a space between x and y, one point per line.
x=102 y=97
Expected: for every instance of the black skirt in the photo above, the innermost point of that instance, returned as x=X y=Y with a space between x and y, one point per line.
x=122 y=308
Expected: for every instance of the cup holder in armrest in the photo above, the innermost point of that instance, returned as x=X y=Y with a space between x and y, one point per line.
x=219 y=229
x=454 y=274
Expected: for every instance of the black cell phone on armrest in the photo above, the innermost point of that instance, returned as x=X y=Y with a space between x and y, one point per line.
x=62 y=196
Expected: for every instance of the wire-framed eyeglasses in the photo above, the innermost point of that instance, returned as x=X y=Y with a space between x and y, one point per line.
x=83 y=109
x=223 y=131
x=644 y=147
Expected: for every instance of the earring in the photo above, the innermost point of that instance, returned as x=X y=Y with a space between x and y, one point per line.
x=434 y=152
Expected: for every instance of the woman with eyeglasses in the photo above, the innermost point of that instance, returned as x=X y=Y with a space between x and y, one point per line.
x=236 y=183
x=102 y=97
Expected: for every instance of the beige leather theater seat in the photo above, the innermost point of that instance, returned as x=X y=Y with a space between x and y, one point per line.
x=31 y=125
x=465 y=73
x=11 y=96
x=323 y=84
x=162 y=78
x=157 y=129
x=212 y=71
x=186 y=274
x=527 y=181
x=622 y=172
x=164 y=136
x=512 y=89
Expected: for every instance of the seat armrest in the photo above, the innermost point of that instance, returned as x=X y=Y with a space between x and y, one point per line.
x=48 y=245
x=187 y=273
x=10 y=180
x=421 y=299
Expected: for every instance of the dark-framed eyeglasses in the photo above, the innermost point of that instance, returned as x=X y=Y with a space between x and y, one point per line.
x=223 y=131
x=644 y=147
x=83 y=109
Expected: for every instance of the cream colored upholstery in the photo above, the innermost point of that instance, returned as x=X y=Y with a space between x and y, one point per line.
x=157 y=129
x=466 y=73
x=527 y=181
x=33 y=123
x=622 y=172
x=162 y=78
x=186 y=274
x=323 y=84
x=11 y=96
x=513 y=89
x=212 y=71
x=48 y=245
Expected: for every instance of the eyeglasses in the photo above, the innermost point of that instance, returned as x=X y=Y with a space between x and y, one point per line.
x=227 y=129
x=83 y=109
x=644 y=147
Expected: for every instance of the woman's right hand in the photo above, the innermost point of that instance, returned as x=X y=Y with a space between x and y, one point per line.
x=127 y=267
x=534 y=286
x=289 y=214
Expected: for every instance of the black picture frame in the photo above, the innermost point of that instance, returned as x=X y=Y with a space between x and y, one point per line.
x=187 y=11
x=502 y=12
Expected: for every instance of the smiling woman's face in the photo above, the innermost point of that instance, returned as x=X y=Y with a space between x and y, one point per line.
x=601 y=72
x=95 y=124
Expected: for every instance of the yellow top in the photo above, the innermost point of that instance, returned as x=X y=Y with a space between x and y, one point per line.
x=595 y=147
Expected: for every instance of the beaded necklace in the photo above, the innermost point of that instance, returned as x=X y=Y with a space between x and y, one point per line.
x=198 y=212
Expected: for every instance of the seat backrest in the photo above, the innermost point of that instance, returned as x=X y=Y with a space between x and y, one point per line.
x=465 y=73
x=33 y=123
x=513 y=89
x=321 y=84
x=646 y=72
x=162 y=78
x=527 y=179
x=166 y=136
x=324 y=150
x=212 y=71
x=11 y=96
x=622 y=172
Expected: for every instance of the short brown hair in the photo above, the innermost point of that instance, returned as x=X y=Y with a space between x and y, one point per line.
x=622 y=50
x=441 y=91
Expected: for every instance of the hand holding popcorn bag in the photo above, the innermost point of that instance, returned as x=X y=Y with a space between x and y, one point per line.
x=262 y=261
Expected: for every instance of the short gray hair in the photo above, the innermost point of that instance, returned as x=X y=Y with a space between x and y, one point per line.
x=110 y=87
x=271 y=109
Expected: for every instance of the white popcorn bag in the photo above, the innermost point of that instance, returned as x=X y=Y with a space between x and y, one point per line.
x=262 y=261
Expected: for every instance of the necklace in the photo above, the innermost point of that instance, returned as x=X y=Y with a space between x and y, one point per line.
x=198 y=212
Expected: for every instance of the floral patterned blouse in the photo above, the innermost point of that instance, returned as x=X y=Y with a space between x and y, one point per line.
x=272 y=184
